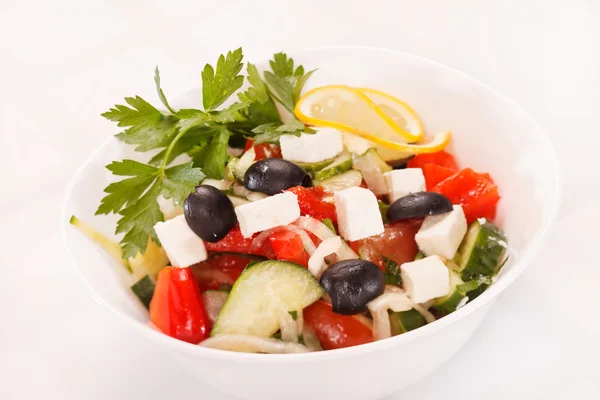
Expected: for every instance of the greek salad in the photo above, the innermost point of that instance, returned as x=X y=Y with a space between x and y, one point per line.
x=290 y=221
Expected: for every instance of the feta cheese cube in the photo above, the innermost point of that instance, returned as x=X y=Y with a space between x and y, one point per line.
x=441 y=234
x=310 y=148
x=183 y=246
x=401 y=182
x=425 y=279
x=260 y=215
x=358 y=213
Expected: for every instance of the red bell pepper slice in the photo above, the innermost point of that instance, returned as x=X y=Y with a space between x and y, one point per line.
x=441 y=158
x=335 y=331
x=288 y=246
x=312 y=204
x=234 y=242
x=434 y=174
x=475 y=192
x=177 y=308
x=263 y=150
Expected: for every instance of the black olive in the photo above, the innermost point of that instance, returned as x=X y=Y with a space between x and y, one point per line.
x=209 y=213
x=400 y=163
x=352 y=284
x=419 y=205
x=273 y=175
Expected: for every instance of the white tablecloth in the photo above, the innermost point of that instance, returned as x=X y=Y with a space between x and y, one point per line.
x=63 y=62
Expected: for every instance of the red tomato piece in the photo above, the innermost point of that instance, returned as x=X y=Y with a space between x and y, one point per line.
x=476 y=192
x=219 y=270
x=397 y=242
x=441 y=158
x=177 y=308
x=335 y=331
x=288 y=246
x=434 y=174
x=312 y=204
x=263 y=150
x=234 y=242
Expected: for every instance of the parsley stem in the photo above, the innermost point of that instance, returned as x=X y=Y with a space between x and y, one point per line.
x=277 y=99
x=165 y=160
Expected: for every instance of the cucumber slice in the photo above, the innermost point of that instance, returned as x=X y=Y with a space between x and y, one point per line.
x=402 y=322
x=450 y=302
x=229 y=168
x=339 y=182
x=311 y=168
x=262 y=294
x=383 y=209
x=481 y=251
x=144 y=290
x=243 y=163
x=341 y=163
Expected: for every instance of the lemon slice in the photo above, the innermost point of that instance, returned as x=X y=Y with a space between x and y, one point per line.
x=401 y=114
x=348 y=109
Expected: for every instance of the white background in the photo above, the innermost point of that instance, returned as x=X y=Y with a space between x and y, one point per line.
x=62 y=63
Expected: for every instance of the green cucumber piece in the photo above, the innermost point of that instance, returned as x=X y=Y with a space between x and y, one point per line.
x=481 y=251
x=339 y=182
x=383 y=209
x=402 y=322
x=144 y=290
x=451 y=301
x=341 y=163
x=311 y=168
x=110 y=246
x=243 y=163
x=262 y=293
x=373 y=154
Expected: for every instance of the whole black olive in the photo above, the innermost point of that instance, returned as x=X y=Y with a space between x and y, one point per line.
x=419 y=205
x=273 y=175
x=352 y=284
x=209 y=213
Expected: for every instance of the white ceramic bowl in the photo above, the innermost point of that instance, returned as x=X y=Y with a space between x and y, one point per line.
x=490 y=133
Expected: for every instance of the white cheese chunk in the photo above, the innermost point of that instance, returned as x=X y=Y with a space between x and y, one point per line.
x=358 y=213
x=310 y=148
x=183 y=246
x=441 y=234
x=260 y=215
x=425 y=279
x=401 y=182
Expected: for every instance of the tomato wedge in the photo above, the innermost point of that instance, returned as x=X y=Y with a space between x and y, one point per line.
x=476 y=192
x=177 y=308
x=312 y=204
x=441 y=158
x=397 y=242
x=263 y=150
x=235 y=242
x=288 y=246
x=223 y=269
x=434 y=174
x=335 y=331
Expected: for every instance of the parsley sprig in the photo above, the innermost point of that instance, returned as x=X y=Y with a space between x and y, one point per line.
x=203 y=134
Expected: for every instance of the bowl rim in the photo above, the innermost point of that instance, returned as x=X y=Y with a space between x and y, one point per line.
x=488 y=296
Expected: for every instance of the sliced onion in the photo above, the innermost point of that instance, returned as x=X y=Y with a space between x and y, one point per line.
x=220 y=184
x=240 y=190
x=300 y=321
x=311 y=341
x=253 y=344
x=309 y=245
x=321 y=231
x=238 y=201
x=420 y=308
x=213 y=303
x=288 y=328
x=316 y=263
x=371 y=174
x=259 y=240
x=379 y=309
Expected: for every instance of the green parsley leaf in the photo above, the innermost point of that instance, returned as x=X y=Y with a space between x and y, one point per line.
x=179 y=181
x=141 y=115
x=127 y=191
x=261 y=107
x=271 y=132
x=218 y=86
x=212 y=158
x=138 y=222
x=392 y=272
x=161 y=94
x=286 y=82
x=194 y=140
